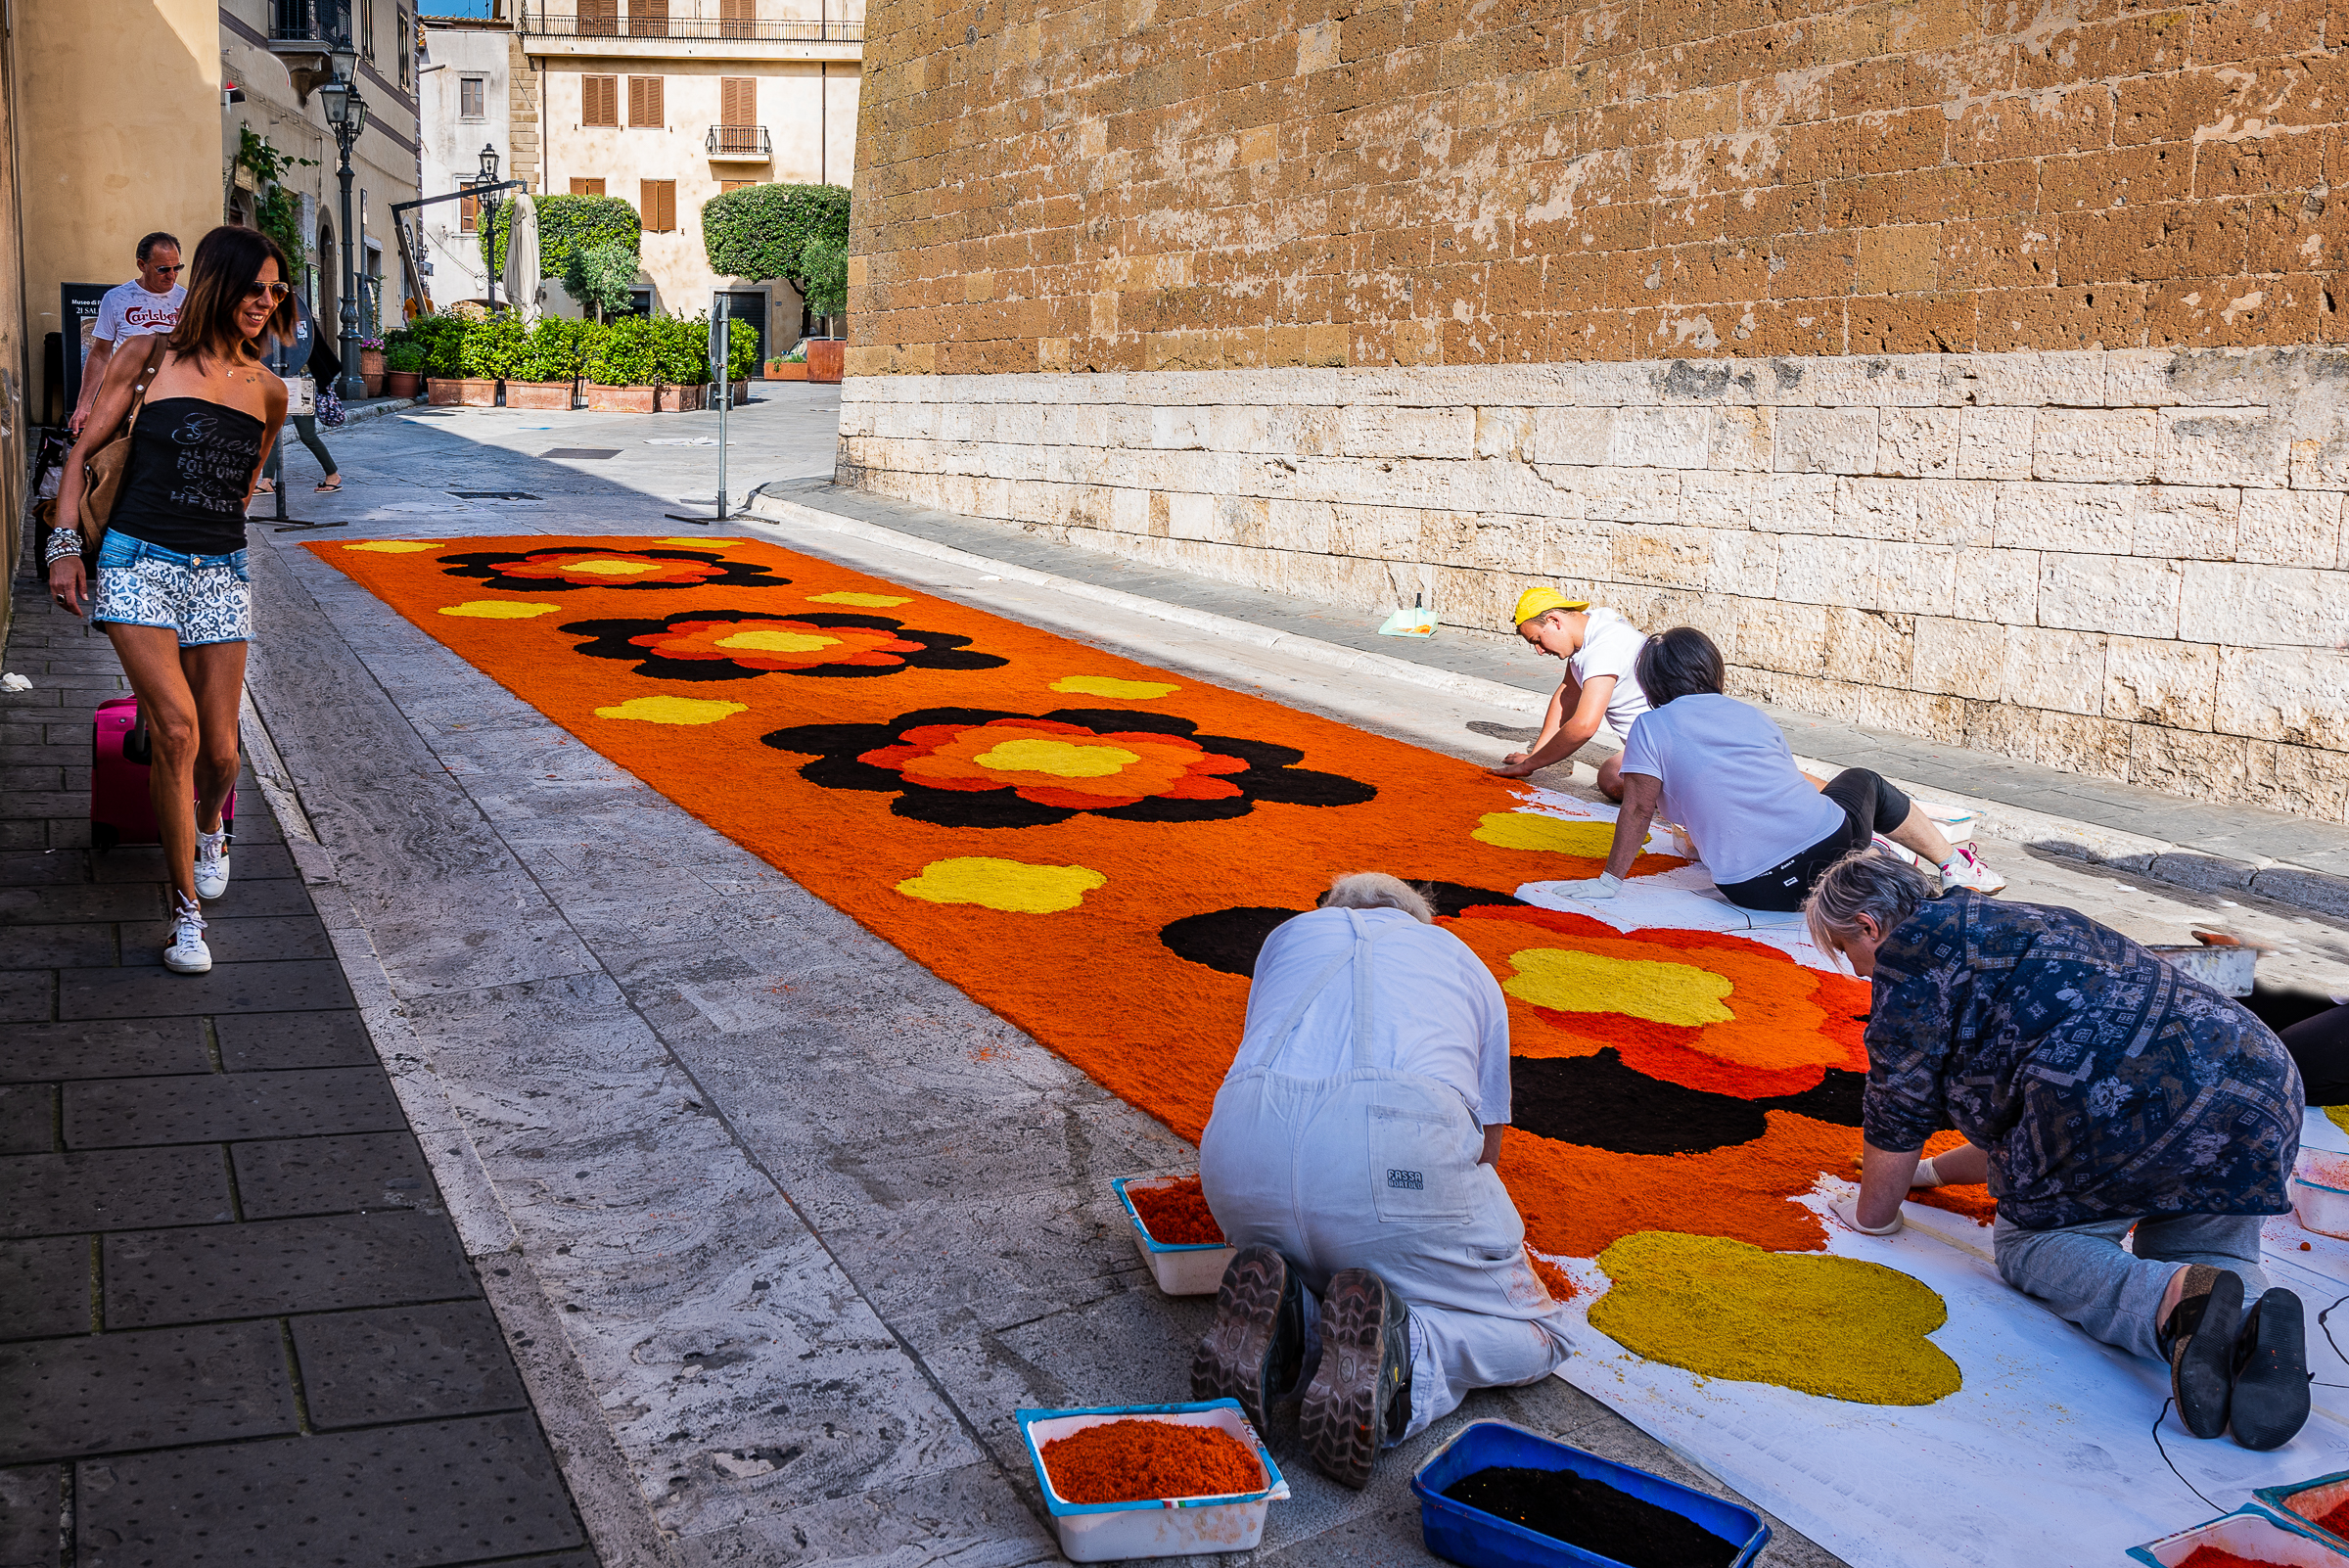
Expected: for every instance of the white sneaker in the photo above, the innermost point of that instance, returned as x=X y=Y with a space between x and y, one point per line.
x=211 y=864
x=187 y=955
x=1966 y=870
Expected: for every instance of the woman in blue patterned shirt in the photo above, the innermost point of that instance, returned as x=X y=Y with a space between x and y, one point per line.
x=2100 y=1090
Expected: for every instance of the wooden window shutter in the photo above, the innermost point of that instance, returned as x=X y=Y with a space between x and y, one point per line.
x=738 y=100
x=658 y=207
x=599 y=101
x=735 y=19
x=580 y=187
x=644 y=102
x=723 y=186
x=648 y=18
x=468 y=215
x=599 y=18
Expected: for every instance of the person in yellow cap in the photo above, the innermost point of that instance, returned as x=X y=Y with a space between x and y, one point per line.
x=1601 y=694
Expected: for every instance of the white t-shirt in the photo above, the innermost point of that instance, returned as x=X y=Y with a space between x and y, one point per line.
x=1730 y=780
x=1436 y=1008
x=131 y=311
x=1611 y=647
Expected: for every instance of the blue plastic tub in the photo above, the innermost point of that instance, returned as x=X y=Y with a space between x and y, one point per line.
x=1458 y=1533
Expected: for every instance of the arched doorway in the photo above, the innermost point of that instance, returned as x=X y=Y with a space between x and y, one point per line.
x=330 y=280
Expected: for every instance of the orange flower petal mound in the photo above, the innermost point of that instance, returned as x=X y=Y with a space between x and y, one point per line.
x=1175 y=1213
x=1143 y=1461
x=777 y=644
x=1060 y=764
x=1786 y=1025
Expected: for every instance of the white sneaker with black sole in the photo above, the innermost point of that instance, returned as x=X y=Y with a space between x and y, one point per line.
x=1966 y=870
x=211 y=864
x=187 y=955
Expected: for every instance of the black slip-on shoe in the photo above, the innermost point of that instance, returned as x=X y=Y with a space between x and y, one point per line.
x=1257 y=1344
x=2199 y=1339
x=1360 y=1397
x=2270 y=1402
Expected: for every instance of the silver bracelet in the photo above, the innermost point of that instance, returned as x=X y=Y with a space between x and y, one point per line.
x=63 y=543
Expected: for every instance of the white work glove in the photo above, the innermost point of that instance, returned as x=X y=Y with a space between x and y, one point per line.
x=1606 y=886
x=1926 y=1175
x=1847 y=1213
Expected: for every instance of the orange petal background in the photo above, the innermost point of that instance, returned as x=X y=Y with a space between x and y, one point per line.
x=1095 y=983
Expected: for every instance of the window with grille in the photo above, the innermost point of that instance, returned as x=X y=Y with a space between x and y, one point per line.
x=468 y=215
x=648 y=18
x=658 y=208
x=367 y=28
x=736 y=19
x=645 y=109
x=599 y=18
x=406 y=36
x=599 y=100
x=473 y=98
x=580 y=187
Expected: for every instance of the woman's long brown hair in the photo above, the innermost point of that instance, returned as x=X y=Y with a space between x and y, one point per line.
x=228 y=263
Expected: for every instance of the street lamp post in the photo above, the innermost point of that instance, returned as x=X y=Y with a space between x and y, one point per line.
x=487 y=206
x=347 y=117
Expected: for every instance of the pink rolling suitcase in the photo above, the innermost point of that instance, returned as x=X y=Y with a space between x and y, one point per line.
x=120 y=809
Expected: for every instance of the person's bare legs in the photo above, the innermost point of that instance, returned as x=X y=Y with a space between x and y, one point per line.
x=184 y=727
x=1919 y=834
x=1610 y=778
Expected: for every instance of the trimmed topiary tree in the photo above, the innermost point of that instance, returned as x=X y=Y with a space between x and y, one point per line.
x=761 y=231
x=824 y=267
x=568 y=223
x=600 y=277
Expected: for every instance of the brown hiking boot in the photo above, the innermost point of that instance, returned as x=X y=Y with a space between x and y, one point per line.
x=1256 y=1346
x=1360 y=1397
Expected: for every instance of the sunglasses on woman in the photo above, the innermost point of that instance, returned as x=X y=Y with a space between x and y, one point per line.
x=276 y=291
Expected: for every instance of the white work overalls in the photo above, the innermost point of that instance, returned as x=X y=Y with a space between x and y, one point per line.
x=1376 y=1169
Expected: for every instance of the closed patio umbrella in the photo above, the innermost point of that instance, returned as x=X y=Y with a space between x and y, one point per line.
x=522 y=284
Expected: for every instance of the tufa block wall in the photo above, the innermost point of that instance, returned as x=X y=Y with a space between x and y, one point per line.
x=1173 y=185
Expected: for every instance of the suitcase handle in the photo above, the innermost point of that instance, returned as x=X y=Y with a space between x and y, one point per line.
x=138 y=746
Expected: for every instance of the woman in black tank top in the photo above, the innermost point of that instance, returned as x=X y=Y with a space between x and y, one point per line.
x=173 y=593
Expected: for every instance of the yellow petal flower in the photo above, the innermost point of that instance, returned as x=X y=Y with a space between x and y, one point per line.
x=1104 y=686
x=865 y=601
x=392 y=546
x=671 y=710
x=1011 y=885
x=498 y=609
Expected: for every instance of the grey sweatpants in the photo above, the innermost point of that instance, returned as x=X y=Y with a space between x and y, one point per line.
x=2086 y=1278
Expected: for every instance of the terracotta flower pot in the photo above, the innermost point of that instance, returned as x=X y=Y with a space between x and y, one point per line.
x=786 y=370
x=682 y=399
x=402 y=383
x=620 y=399
x=476 y=392
x=742 y=393
x=542 y=395
x=443 y=391
x=825 y=357
x=371 y=371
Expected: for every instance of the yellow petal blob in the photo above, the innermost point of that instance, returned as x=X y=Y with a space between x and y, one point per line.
x=1839 y=1327
x=614 y=568
x=1011 y=885
x=392 y=546
x=1525 y=830
x=1104 y=686
x=2338 y=1116
x=864 y=601
x=671 y=710
x=1588 y=983
x=498 y=609
x=701 y=544
x=1059 y=759
x=766 y=639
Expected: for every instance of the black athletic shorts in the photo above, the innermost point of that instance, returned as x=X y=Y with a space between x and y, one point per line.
x=1869 y=807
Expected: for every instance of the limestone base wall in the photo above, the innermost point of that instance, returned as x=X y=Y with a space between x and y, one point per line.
x=2127 y=564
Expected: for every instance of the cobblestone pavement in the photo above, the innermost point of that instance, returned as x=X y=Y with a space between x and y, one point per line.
x=229 y=1291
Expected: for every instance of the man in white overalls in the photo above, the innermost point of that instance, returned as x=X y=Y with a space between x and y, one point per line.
x=1350 y=1156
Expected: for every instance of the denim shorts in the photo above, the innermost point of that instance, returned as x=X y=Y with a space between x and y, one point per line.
x=205 y=598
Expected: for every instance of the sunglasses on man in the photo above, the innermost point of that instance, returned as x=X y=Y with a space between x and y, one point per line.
x=167 y=271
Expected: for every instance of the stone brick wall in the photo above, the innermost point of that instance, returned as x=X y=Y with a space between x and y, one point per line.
x=2129 y=565
x=1166 y=184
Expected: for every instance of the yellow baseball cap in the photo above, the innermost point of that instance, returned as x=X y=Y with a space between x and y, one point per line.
x=1541 y=601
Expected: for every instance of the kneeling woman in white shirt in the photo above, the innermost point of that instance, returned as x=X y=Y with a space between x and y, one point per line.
x=1723 y=770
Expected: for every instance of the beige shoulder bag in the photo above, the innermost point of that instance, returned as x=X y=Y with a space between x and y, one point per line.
x=103 y=470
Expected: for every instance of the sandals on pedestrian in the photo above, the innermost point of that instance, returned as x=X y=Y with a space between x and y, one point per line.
x=329 y=485
x=264 y=487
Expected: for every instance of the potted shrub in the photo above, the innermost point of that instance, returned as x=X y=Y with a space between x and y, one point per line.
x=486 y=355
x=403 y=370
x=544 y=370
x=443 y=339
x=683 y=349
x=622 y=366
x=742 y=358
x=793 y=366
x=371 y=365
x=824 y=261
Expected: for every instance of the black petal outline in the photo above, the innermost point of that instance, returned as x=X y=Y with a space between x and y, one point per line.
x=940 y=650
x=486 y=566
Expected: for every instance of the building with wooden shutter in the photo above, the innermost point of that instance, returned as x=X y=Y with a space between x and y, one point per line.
x=666 y=102
x=465 y=103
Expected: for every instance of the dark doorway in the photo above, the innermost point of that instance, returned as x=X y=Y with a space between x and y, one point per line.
x=742 y=306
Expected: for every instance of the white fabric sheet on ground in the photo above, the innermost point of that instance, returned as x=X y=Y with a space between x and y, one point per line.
x=2045 y=1456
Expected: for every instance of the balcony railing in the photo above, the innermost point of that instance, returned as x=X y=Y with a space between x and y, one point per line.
x=746 y=142
x=308 y=24
x=652 y=18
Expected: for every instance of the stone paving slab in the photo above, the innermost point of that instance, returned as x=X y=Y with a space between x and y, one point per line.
x=223 y=1162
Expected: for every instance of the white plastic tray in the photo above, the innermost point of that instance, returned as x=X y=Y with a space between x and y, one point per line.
x=2251 y=1532
x=1180 y=1270
x=2319 y=1201
x=1169 y=1527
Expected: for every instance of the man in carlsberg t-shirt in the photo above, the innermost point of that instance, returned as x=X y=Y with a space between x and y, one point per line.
x=148 y=303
